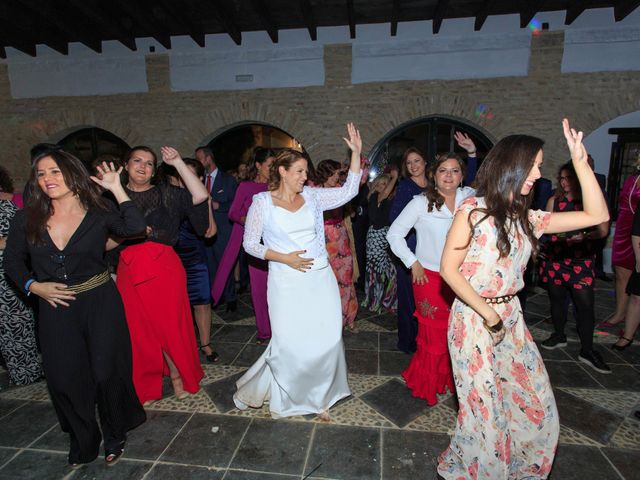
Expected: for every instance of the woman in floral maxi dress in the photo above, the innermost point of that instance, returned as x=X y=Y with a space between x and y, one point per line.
x=508 y=424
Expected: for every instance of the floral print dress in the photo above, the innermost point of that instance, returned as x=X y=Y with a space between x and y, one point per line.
x=507 y=426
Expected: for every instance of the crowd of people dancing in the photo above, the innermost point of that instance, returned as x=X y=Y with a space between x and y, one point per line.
x=127 y=261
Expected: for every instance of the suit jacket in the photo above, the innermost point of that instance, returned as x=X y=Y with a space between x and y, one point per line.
x=542 y=191
x=222 y=191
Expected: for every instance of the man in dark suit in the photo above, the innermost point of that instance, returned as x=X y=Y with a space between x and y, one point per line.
x=600 y=243
x=222 y=188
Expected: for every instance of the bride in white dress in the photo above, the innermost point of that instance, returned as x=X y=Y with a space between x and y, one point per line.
x=303 y=369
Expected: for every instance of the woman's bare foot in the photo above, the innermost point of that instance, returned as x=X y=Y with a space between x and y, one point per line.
x=611 y=322
x=324 y=416
x=352 y=328
x=178 y=388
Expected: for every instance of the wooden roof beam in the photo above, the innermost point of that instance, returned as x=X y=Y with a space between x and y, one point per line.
x=528 y=10
x=145 y=21
x=71 y=31
x=623 y=8
x=265 y=17
x=227 y=21
x=351 y=16
x=395 y=13
x=439 y=14
x=309 y=19
x=186 y=21
x=94 y=12
x=482 y=14
x=574 y=10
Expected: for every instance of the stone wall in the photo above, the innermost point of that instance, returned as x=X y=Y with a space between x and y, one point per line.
x=315 y=116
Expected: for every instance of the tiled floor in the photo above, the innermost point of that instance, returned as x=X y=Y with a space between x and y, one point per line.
x=381 y=432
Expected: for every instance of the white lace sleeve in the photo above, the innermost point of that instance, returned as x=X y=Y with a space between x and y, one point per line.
x=253 y=228
x=328 y=198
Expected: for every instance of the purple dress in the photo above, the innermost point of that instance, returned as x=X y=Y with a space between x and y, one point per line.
x=257 y=268
x=622 y=250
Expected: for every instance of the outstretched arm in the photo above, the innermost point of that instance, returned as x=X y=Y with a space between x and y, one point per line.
x=192 y=183
x=595 y=207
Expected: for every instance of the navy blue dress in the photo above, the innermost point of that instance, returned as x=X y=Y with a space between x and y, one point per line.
x=191 y=250
x=407 y=324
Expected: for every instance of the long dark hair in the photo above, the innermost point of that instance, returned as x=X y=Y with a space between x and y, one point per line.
x=405 y=155
x=259 y=155
x=435 y=198
x=39 y=208
x=500 y=180
x=576 y=189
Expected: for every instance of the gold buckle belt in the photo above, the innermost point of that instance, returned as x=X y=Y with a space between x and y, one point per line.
x=91 y=283
x=498 y=300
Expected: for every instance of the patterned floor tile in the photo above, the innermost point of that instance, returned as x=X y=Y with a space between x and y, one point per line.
x=615 y=401
x=569 y=436
x=358 y=414
x=627 y=435
x=213 y=372
x=37 y=392
x=439 y=418
x=367 y=326
x=200 y=402
x=360 y=384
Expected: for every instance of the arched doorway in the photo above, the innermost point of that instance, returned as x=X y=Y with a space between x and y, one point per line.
x=615 y=148
x=433 y=135
x=90 y=142
x=234 y=145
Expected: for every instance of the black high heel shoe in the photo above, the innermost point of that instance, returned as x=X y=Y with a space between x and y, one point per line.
x=620 y=348
x=213 y=357
x=112 y=456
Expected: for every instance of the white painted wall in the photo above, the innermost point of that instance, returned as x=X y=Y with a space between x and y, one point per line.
x=598 y=142
x=594 y=43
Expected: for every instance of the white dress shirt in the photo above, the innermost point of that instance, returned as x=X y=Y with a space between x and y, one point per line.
x=211 y=175
x=431 y=230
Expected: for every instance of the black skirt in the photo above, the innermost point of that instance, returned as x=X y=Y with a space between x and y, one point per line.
x=633 y=285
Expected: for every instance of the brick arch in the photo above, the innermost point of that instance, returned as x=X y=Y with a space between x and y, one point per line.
x=70 y=122
x=222 y=119
x=455 y=107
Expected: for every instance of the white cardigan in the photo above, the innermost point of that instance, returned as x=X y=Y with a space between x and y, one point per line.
x=260 y=225
x=431 y=230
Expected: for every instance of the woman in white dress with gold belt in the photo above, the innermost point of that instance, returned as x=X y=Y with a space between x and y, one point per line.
x=303 y=369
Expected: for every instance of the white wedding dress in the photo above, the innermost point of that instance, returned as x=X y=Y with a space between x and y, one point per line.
x=303 y=369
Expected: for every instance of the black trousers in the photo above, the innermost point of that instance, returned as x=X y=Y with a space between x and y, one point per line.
x=583 y=301
x=407 y=323
x=86 y=353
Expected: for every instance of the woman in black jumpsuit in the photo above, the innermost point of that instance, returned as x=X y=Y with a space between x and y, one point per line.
x=83 y=334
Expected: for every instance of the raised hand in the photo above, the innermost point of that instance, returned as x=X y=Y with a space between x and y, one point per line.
x=109 y=176
x=170 y=155
x=574 y=142
x=465 y=142
x=354 y=142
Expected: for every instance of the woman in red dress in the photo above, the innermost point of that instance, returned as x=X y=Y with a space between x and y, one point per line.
x=152 y=280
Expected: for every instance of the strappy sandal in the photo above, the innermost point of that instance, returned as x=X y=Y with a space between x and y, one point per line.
x=112 y=456
x=212 y=357
x=620 y=348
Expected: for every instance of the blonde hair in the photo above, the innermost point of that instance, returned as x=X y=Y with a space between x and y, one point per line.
x=374 y=183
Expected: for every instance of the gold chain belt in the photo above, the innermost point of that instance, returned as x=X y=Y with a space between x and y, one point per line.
x=93 y=282
x=498 y=300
